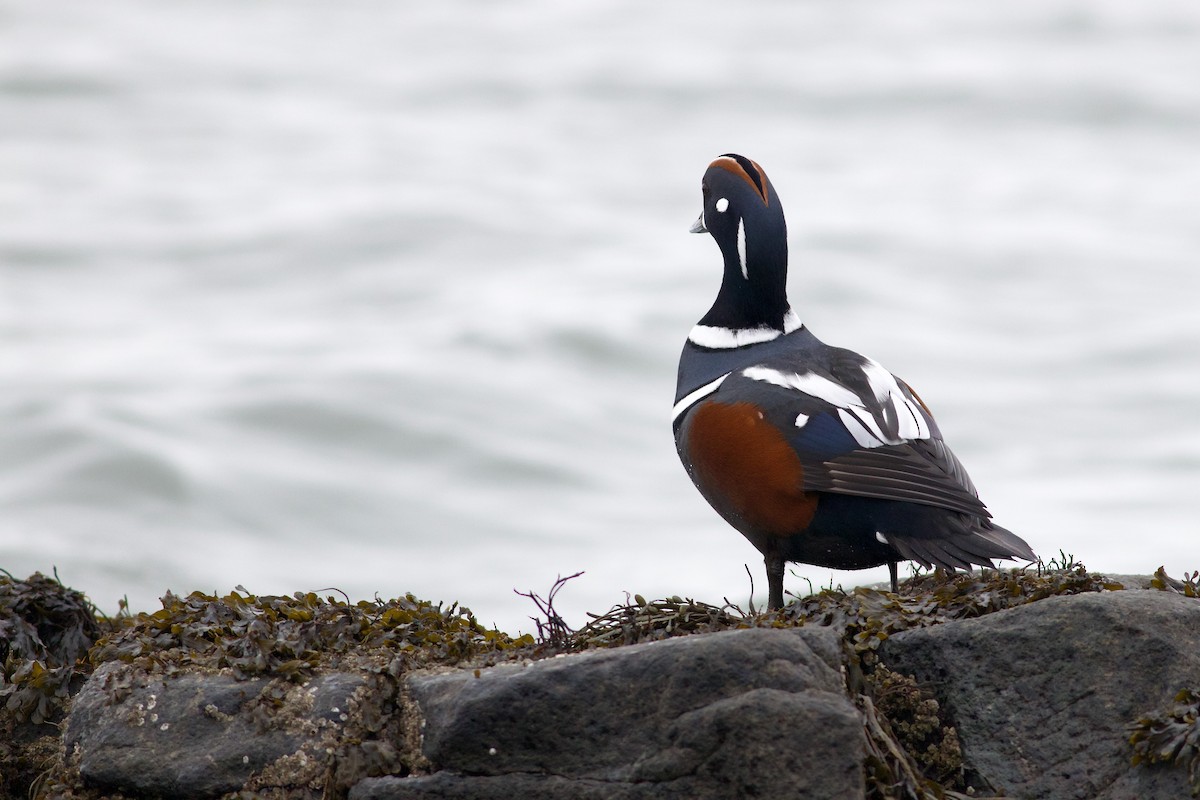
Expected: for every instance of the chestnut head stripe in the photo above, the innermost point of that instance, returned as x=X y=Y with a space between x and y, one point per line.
x=747 y=170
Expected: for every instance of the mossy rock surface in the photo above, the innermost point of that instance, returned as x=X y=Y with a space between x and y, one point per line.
x=286 y=657
x=207 y=689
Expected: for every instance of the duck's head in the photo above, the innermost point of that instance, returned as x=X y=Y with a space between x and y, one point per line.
x=745 y=217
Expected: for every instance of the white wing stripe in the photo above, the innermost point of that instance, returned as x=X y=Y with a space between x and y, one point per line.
x=882 y=382
x=871 y=424
x=810 y=383
x=860 y=433
x=897 y=419
x=911 y=424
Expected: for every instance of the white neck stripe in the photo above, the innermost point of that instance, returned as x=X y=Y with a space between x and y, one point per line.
x=742 y=248
x=717 y=338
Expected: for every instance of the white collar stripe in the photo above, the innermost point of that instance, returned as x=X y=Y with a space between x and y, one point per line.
x=717 y=338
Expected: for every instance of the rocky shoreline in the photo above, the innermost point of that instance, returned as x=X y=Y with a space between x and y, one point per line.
x=1059 y=684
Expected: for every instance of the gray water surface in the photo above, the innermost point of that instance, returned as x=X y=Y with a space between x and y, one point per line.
x=388 y=297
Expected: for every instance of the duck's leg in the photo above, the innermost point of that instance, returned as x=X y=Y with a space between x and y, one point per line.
x=893 y=567
x=774 y=563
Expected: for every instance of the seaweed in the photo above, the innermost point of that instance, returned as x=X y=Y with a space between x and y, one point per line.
x=915 y=720
x=289 y=637
x=648 y=621
x=51 y=637
x=1171 y=736
x=866 y=615
x=45 y=628
x=554 y=632
x=1188 y=587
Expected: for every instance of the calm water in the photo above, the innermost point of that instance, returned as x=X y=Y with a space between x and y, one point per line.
x=388 y=298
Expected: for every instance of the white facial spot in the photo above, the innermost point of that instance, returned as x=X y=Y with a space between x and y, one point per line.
x=881 y=538
x=801 y=420
x=723 y=205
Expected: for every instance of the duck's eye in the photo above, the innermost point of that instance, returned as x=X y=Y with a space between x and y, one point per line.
x=723 y=204
x=704 y=190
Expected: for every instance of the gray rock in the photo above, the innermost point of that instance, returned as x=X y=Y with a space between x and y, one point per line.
x=517 y=786
x=764 y=743
x=195 y=735
x=1042 y=695
x=735 y=714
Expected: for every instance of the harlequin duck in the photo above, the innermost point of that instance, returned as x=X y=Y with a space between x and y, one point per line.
x=814 y=453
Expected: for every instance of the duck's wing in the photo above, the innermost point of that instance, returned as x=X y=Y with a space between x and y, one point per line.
x=858 y=430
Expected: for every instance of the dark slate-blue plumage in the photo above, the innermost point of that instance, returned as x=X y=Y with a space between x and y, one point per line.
x=814 y=453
